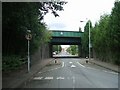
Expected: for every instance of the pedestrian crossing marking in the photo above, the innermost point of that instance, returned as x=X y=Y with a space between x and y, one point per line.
x=48 y=78
x=37 y=78
x=60 y=78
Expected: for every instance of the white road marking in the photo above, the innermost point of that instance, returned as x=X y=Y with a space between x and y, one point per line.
x=73 y=82
x=80 y=64
x=70 y=62
x=48 y=78
x=60 y=78
x=73 y=66
x=63 y=64
x=73 y=79
x=110 y=72
x=37 y=78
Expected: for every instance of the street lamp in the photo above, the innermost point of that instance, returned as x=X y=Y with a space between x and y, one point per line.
x=89 y=40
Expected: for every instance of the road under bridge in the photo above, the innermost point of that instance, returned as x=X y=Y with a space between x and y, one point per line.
x=66 y=38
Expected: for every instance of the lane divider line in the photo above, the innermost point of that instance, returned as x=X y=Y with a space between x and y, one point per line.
x=81 y=64
x=73 y=82
x=63 y=64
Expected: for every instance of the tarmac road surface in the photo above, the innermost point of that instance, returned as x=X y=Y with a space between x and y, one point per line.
x=73 y=73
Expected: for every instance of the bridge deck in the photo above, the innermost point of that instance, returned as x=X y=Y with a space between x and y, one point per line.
x=66 y=34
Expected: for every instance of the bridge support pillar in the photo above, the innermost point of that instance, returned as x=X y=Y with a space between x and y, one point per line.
x=51 y=51
x=79 y=50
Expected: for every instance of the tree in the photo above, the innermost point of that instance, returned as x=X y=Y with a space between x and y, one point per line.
x=99 y=36
x=85 y=39
x=73 y=49
x=114 y=32
x=105 y=36
x=18 y=18
x=57 y=48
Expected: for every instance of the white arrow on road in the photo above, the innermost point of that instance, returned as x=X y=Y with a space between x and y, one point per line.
x=73 y=66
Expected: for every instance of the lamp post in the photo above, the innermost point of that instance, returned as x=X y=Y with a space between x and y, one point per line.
x=89 y=42
x=89 y=39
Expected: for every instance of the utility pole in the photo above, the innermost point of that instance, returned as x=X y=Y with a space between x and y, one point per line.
x=89 y=40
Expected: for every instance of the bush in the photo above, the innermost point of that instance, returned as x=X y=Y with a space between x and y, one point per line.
x=12 y=62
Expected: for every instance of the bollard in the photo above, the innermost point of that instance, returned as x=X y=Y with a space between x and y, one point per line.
x=86 y=61
x=55 y=61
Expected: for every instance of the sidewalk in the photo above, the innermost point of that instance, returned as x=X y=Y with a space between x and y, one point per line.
x=109 y=66
x=15 y=79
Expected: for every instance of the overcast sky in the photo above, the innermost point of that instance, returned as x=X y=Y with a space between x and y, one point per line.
x=77 y=10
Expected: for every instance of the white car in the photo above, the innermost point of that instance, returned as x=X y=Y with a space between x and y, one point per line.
x=54 y=53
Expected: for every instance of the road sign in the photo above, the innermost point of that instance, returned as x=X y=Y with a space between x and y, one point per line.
x=28 y=36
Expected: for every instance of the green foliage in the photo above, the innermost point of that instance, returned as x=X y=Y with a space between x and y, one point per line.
x=85 y=39
x=73 y=49
x=22 y=16
x=57 y=48
x=69 y=50
x=18 y=17
x=115 y=27
x=105 y=36
x=99 y=37
x=12 y=62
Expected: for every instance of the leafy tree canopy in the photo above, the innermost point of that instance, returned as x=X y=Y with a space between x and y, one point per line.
x=18 y=17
